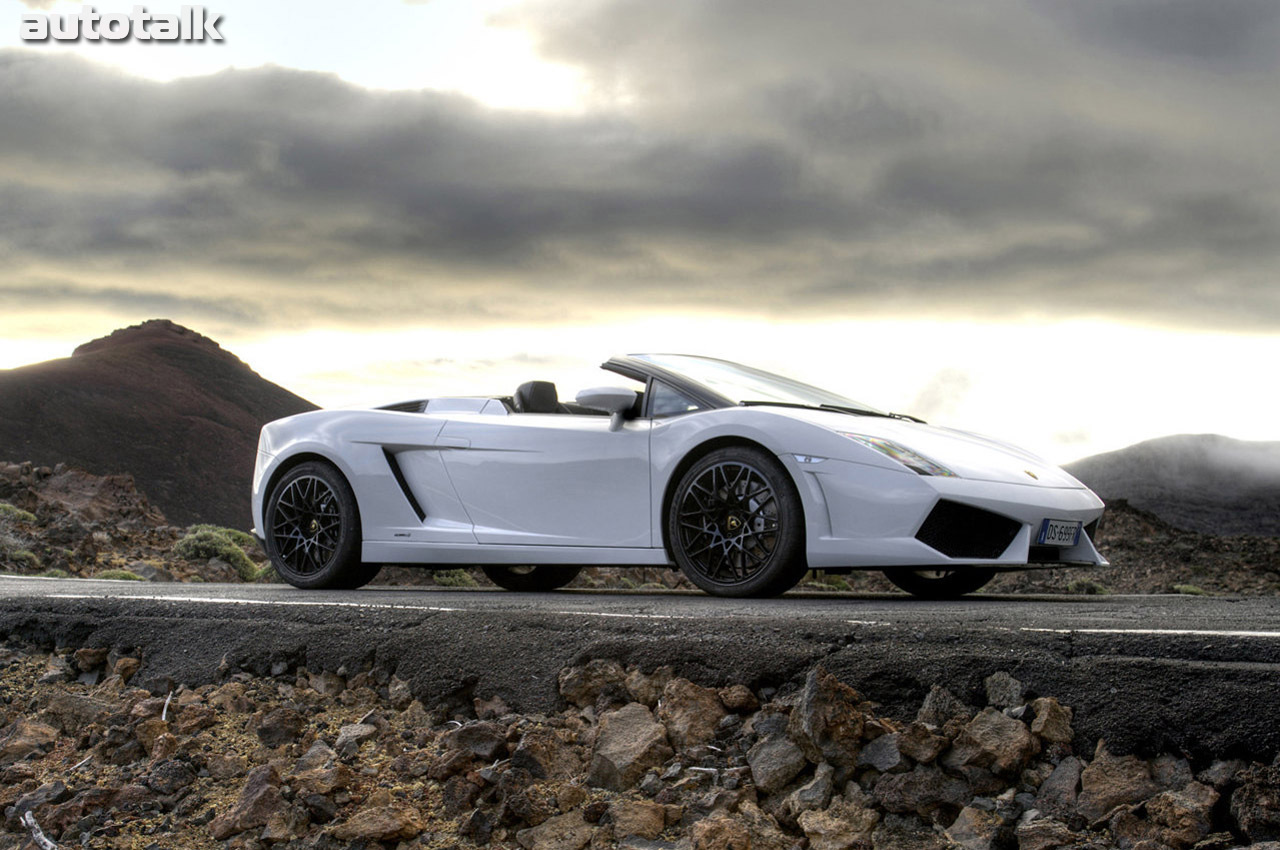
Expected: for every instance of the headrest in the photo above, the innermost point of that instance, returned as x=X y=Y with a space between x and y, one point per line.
x=536 y=397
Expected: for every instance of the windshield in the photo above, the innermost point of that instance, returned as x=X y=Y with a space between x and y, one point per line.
x=743 y=384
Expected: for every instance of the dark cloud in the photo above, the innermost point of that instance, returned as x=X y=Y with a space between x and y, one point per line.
x=997 y=158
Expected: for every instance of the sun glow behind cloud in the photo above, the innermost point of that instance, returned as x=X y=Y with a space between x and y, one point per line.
x=448 y=45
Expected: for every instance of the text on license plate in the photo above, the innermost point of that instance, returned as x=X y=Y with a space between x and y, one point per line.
x=1059 y=532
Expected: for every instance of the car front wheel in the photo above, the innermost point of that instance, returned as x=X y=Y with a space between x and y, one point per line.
x=940 y=584
x=531 y=578
x=313 y=529
x=736 y=526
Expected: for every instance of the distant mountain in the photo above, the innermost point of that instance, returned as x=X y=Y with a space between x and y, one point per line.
x=156 y=400
x=1202 y=482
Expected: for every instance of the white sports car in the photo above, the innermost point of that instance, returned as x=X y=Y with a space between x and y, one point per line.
x=741 y=478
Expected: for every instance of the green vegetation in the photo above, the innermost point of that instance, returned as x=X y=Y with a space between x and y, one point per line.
x=212 y=542
x=15 y=514
x=119 y=575
x=268 y=575
x=25 y=558
x=454 y=578
x=1088 y=587
x=1190 y=590
x=54 y=573
x=243 y=539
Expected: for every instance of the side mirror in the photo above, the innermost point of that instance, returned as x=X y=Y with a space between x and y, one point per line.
x=612 y=400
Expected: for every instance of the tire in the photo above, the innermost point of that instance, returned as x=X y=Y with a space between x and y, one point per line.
x=940 y=584
x=313 y=530
x=530 y=579
x=736 y=526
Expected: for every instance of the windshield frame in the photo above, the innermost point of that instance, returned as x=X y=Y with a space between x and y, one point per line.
x=693 y=375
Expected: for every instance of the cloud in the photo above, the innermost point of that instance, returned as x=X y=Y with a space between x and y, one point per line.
x=942 y=395
x=924 y=159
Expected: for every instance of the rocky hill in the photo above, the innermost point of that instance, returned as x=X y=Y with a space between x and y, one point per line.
x=1201 y=482
x=157 y=401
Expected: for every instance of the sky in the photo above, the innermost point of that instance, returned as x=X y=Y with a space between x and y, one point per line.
x=1057 y=223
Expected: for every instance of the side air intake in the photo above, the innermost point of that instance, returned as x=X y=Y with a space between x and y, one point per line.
x=404 y=485
x=963 y=531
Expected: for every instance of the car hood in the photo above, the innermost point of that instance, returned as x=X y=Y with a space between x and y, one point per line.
x=968 y=455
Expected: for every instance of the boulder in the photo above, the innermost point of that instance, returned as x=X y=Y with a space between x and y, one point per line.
x=549 y=754
x=484 y=739
x=582 y=686
x=637 y=817
x=629 y=742
x=280 y=726
x=843 y=826
x=393 y=821
x=259 y=799
x=925 y=791
x=563 y=832
x=882 y=754
x=720 y=832
x=1044 y=834
x=1255 y=805
x=814 y=794
x=739 y=699
x=1057 y=795
x=1111 y=781
x=647 y=687
x=975 y=828
x=939 y=706
x=24 y=738
x=994 y=741
x=691 y=713
x=1052 y=722
x=351 y=736
x=918 y=742
x=774 y=762
x=1003 y=691
x=827 y=720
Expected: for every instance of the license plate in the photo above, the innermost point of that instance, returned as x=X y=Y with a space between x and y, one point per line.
x=1059 y=532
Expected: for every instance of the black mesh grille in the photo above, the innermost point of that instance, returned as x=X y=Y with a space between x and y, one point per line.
x=1092 y=529
x=962 y=531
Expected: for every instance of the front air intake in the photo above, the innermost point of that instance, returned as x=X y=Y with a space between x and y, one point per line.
x=963 y=531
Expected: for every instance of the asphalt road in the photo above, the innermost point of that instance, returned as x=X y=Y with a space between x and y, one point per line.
x=1147 y=673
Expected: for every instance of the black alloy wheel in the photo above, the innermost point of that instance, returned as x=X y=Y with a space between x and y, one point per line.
x=313 y=529
x=736 y=525
x=531 y=579
x=940 y=584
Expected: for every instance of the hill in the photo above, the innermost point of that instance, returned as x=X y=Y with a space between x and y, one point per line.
x=156 y=400
x=1202 y=482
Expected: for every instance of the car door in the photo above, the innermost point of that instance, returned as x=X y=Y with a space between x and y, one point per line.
x=552 y=479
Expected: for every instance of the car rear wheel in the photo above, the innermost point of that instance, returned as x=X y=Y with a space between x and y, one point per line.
x=940 y=584
x=531 y=578
x=313 y=529
x=736 y=526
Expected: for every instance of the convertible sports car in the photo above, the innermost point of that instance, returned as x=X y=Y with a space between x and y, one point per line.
x=741 y=478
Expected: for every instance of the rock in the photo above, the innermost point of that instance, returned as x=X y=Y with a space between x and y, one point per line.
x=994 y=741
x=381 y=822
x=351 y=736
x=1044 y=834
x=73 y=712
x=901 y=833
x=259 y=800
x=45 y=795
x=549 y=754
x=1221 y=772
x=637 y=817
x=882 y=754
x=690 y=712
x=974 y=828
x=563 y=832
x=1255 y=805
x=326 y=683
x=400 y=695
x=1182 y=818
x=91 y=658
x=1052 y=721
x=486 y=709
x=1110 y=781
x=762 y=829
x=458 y=794
x=58 y=670
x=1170 y=772
x=939 y=706
x=147 y=731
x=318 y=756
x=814 y=794
x=126 y=667
x=739 y=699
x=629 y=742
x=827 y=720
x=192 y=719
x=844 y=826
x=647 y=688
x=1058 y=794
x=280 y=726
x=919 y=743
x=774 y=762
x=582 y=686
x=170 y=776
x=477 y=826
x=484 y=739
x=925 y=791
x=222 y=766
x=1003 y=691
x=720 y=832
x=24 y=738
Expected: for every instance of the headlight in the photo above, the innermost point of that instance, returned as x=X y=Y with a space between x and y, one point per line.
x=903 y=455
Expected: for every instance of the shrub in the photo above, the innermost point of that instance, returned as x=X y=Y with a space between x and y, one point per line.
x=119 y=575
x=15 y=514
x=205 y=544
x=1190 y=590
x=268 y=575
x=54 y=573
x=25 y=558
x=454 y=578
x=1088 y=587
x=243 y=539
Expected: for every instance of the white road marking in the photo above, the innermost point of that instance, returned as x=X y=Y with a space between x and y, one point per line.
x=1169 y=632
